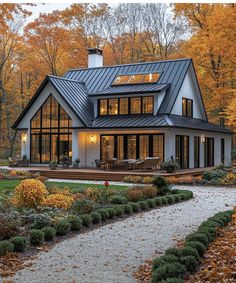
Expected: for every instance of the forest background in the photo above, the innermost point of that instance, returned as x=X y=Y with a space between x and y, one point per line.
x=54 y=42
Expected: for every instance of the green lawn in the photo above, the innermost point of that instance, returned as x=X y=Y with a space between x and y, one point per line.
x=7 y=185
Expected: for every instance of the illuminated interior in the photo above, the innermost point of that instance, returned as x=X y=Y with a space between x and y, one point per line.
x=136 y=79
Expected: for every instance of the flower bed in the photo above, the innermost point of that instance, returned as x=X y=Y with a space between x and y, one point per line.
x=36 y=214
x=177 y=263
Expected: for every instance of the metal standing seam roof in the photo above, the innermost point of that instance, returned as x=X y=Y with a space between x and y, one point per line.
x=155 y=121
x=172 y=72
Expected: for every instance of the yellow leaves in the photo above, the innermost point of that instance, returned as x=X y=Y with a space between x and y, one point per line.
x=93 y=193
x=59 y=201
x=29 y=193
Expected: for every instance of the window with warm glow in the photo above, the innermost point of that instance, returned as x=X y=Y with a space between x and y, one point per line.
x=103 y=107
x=136 y=79
x=187 y=107
x=113 y=106
x=135 y=105
x=147 y=105
x=124 y=106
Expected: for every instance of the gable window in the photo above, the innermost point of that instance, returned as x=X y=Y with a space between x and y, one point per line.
x=187 y=107
x=51 y=135
x=136 y=79
x=135 y=105
x=126 y=106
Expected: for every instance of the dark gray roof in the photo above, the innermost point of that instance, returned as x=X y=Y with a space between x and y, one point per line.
x=156 y=121
x=74 y=93
x=139 y=88
x=172 y=72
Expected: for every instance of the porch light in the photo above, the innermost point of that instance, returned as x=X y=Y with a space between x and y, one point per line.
x=92 y=139
x=203 y=139
x=24 y=138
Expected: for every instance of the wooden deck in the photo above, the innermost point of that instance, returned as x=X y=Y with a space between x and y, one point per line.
x=100 y=175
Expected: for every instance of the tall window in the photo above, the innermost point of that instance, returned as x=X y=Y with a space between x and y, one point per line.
x=51 y=136
x=209 y=152
x=222 y=148
x=196 y=152
x=132 y=146
x=187 y=107
x=182 y=151
x=126 y=105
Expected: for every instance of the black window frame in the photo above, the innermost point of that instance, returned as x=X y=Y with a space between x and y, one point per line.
x=185 y=110
x=129 y=106
x=207 y=154
x=181 y=160
x=196 y=152
x=50 y=131
x=222 y=150
x=125 y=139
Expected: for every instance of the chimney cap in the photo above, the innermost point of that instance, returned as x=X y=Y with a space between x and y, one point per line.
x=94 y=51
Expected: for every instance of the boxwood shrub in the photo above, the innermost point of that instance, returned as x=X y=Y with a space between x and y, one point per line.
x=200 y=237
x=36 y=237
x=96 y=217
x=190 y=262
x=170 y=199
x=49 y=233
x=172 y=280
x=86 y=220
x=128 y=209
x=104 y=213
x=143 y=204
x=119 y=209
x=157 y=201
x=63 y=227
x=164 y=200
x=111 y=212
x=168 y=270
x=168 y=258
x=135 y=206
x=6 y=246
x=151 y=203
x=76 y=222
x=19 y=243
x=200 y=247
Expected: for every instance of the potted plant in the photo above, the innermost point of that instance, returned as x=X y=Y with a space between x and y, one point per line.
x=65 y=162
x=76 y=163
x=53 y=165
x=169 y=166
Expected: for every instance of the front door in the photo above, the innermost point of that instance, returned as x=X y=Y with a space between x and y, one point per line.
x=182 y=151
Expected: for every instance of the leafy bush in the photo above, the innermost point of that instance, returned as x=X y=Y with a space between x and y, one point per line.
x=200 y=247
x=168 y=270
x=128 y=209
x=151 y=203
x=134 y=194
x=228 y=179
x=135 y=206
x=63 y=227
x=96 y=217
x=158 y=201
x=93 y=193
x=49 y=233
x=190 y=262
x=111 y=211
x=170 y=199
x=173 y=251
x=29 y=193
x=160 y=183
x=9 y=225
x=164 y=259
x=5 y=247
x=86 y=220
x=214 y=175
x=19 y=243
x=149 y=191
x=199 y=237
x=118 y=199
x=41 y=220
x=76 y=222
x=36 y=237
x=143 y=205
x=133 y=179
x=83 y=206
x=104 y=213
x=186 y=251
x=119 y=209
x=59 y=201
x=147 y=180
x=164 y=200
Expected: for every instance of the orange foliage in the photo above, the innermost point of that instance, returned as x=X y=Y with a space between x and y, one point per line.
x=59 y=201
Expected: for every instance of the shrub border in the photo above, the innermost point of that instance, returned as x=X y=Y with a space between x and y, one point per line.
x=118 y=210
x=189 y=257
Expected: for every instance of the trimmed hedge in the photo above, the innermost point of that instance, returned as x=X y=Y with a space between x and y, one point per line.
x=172 y=267
x=49 y=233
x=36 y=237
x=5 y=247
x=96 y=217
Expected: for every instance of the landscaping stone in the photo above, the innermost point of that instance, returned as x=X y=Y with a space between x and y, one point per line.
x=113 y=252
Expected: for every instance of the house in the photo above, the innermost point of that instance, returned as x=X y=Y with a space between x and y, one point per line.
x=127 y=111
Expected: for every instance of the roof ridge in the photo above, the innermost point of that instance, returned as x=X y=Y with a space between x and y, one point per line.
x=63 y=78
x=128 y=64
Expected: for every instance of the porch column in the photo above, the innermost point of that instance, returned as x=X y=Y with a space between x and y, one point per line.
x=75 y=145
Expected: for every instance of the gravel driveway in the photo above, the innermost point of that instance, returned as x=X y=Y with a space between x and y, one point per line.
x=111 y=253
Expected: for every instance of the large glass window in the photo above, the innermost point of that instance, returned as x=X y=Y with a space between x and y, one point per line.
x=113 y=106
x=51 y=136
x=182 y=151
x=135 y=105
x=126 y=105
x=209 y=152
x=132 y=146
x=196 y=152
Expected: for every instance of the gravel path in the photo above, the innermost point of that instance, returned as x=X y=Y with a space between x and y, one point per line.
x=111 y=253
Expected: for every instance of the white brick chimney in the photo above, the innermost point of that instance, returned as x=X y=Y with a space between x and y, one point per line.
x=95 y=58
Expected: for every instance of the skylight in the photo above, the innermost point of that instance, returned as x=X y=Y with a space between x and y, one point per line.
x=136 y=79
